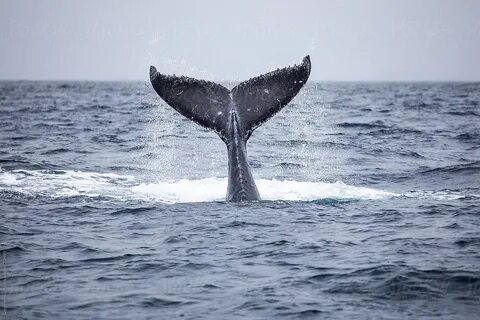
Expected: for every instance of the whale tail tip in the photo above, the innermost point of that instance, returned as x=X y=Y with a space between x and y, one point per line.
x=254 y=101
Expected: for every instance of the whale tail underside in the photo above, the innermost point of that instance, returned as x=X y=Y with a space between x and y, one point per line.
x=210 y=104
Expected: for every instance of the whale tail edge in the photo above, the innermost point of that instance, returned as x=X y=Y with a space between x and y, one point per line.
x=210 y=104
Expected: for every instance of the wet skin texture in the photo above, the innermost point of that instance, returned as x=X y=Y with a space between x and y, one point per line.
x=233 y=114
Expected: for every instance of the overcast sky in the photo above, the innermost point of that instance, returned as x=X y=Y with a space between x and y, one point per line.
x=234 y=40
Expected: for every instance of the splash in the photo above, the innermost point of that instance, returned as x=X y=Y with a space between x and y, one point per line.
x=69 y=183
x=55 y=184
x=213 y=189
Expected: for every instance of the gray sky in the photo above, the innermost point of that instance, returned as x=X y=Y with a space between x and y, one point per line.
x=234 y=40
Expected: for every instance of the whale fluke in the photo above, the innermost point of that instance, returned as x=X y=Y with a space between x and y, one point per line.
x=259 y=98
x=233 y=114
x=201 y=101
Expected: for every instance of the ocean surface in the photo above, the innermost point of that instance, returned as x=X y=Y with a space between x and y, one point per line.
x=112 y=206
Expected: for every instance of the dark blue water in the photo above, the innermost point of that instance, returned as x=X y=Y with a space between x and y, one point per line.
x=111 y=206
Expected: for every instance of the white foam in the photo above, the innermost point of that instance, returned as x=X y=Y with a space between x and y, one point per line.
x=91 y=184
x=62 y=183
x=305 y=191
x=214 y=189
x=7 y=178
x=55 y=184
x=184 y=190
x=438 y=195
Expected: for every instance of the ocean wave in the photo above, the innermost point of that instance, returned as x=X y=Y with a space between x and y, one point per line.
x=395 y=130
x=463 y=113
x=439 y=195
x=376 y=124
x=433 y=283
x=469 y=137
x=398 y=283
x=288 y=165
x=471 y=167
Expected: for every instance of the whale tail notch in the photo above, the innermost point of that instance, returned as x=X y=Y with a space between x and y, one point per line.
x=254 y=101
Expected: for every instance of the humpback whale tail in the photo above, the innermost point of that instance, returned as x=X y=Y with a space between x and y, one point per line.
x=233 y=114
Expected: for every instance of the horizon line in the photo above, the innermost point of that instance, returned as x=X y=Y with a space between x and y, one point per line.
x=239 y=81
